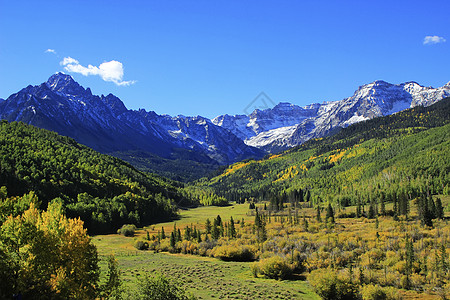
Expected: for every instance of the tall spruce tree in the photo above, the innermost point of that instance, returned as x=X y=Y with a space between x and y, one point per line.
x=232 y=229
x=330 y=213
x=439 y=209
x=208 y=226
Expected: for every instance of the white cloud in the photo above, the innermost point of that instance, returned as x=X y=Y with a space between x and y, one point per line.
x=69 y=60
x=50 y=51
x=109 y=71
x=433 y=39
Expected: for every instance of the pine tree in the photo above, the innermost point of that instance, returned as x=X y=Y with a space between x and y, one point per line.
x=208 y=226
x=382 y=207
x=439 y=209
x=358 y=209
x=308 y=196
x=113 y=284
x=172 y=240
x=305 y=224
x=403 y=204
x=371 y=213
x=215 y=232
x=163 y=234
x=432 y=208
x=330 y=214
x=187 y=233
x=179 y=239
x=424 y=212
x=260 y=228
x=319 y=219
x=232 y=229
x=395 y=206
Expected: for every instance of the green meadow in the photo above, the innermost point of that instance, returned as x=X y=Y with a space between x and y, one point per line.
x=205 y=277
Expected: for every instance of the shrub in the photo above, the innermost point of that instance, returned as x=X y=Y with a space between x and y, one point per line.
x=298 y=260
x=232 y=253
x=274 y=267
x=205 y=247
x=328 y=285
x=347 y=215
x=141 y=245
x=373 y=292
x=159 y=287
x=127 y=230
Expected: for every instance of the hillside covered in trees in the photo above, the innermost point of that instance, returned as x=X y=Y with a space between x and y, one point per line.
x=390 y=158
x=104 y=191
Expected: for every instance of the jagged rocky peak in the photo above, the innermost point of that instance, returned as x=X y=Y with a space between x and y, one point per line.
x=64 y=84
x=115 y=104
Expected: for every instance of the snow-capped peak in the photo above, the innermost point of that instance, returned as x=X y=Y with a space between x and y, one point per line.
x=65 y=84
x=291 y=125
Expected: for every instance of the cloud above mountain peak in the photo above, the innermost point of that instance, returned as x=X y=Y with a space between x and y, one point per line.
x=111 y=71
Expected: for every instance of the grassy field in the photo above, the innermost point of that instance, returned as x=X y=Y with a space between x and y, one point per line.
x=198 y=216
x=205 y=277
x=210 y=278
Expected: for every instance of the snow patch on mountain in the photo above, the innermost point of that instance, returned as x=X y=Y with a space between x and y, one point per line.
x=105 y=124
x=287 y=125
x=280 y=135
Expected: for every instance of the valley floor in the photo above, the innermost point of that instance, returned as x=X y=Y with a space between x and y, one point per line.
x=206 y=278
x=211 y=278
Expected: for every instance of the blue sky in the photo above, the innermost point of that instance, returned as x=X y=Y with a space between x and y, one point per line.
x=214 y=57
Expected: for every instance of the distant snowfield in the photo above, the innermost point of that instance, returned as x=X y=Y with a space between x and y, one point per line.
x=287 y=125
x=281 y=134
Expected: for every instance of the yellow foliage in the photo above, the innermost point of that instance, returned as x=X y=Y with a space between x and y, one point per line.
x=234 y=168
x=60 y=255
x=336 y=157
x=288 y=173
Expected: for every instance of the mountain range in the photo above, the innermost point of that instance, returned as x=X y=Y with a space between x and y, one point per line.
x=106 y=125
x=287 y=125
x=380 y=158
x=154 y=142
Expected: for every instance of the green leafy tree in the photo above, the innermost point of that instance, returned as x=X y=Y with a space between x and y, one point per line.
x=48 y=255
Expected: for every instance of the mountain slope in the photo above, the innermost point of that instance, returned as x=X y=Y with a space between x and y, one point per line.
x=104 y=191
x=106 y=125
x=288 y=125
x=406 y=152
